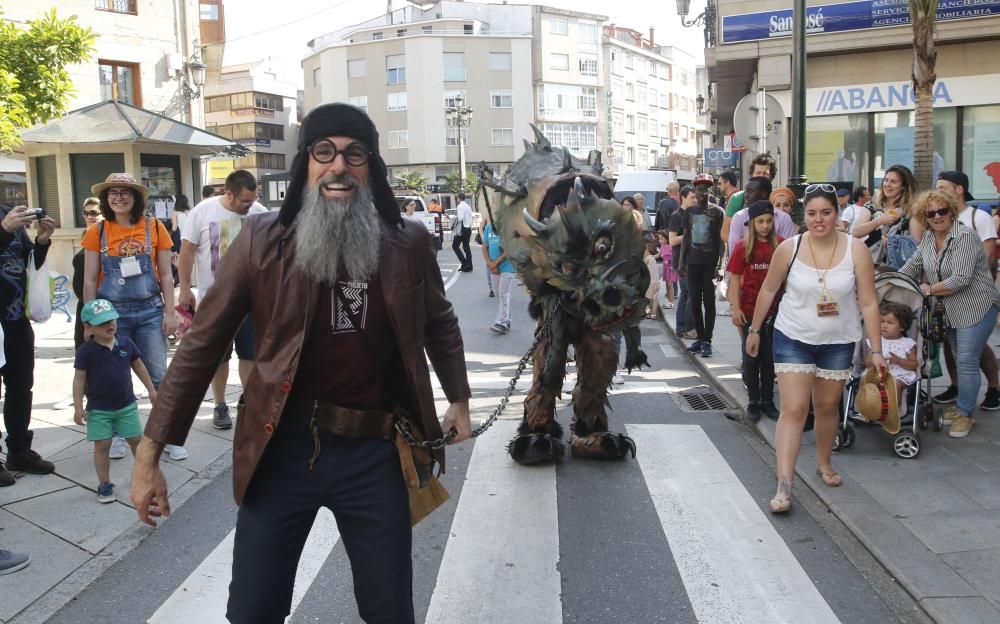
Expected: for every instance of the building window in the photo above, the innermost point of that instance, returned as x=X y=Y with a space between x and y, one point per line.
x=979 y=125
x=377 y=36
x=401 y=32
x=209 y=12
x=120 y=81
x=449 y=98
x=441 y=173
x=665 y=101
x=499 y=61
x=503 y=136
x=467 y=29
x=665 y=130
x=642 y=130
x=630 y=156
x=501 y=99
x=123 y=6
x=251 y=130
x=558 y=26
x=586 y=33
x=427 y=30
x=577 y=138
x=630 y=124
x=260 y=160
x=588 y=65
x=361 y=101
x=315 y=76
x=454 y=66
x=618 y=126
x=399 y=139
x=640 y=96
x=559 y=61
x=628 y=60
x=451 y=133
x=629 y=91
x=395 y=69
x=586 y=102
x=653 y=129
x=677 y=130
x=357 y=68
x=653 y=98
x=396 y=101
x=653 y=65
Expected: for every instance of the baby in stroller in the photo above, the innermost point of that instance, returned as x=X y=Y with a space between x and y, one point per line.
x=900 y=351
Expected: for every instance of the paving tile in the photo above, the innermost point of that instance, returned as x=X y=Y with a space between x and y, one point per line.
x=982 y=488
x=81 y=471
x=75 y=515
x=978 y=451
x=917 y=497
x=203 y=449
x=52 y=559
x=50 y=439
x=946 y=533
x=918 y=569
x=979 y=568
x=933 y=461
x=973 y=610
x=83 y=447
x=30 y=486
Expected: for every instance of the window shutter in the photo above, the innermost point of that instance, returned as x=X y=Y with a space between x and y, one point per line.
x=48 y=186
x=88 y=170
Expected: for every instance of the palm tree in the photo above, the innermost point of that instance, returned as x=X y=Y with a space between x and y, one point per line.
x=412 y=181
x=923 y=15
x=452 y=180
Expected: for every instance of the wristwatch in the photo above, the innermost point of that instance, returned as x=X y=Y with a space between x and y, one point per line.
x=751 y=330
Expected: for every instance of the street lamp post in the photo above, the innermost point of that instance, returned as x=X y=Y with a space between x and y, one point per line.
x=797 y=181
x=460 y=116
x=191 y=90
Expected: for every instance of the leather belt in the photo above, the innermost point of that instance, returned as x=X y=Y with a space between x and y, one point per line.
x=343 y=421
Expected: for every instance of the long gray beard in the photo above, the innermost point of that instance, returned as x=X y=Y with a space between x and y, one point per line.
x=337 y=238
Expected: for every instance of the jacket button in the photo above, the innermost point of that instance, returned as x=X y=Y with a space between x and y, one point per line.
x=286 y=386
x=268 y=428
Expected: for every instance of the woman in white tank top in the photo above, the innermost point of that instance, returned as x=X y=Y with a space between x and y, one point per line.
x=830 y=288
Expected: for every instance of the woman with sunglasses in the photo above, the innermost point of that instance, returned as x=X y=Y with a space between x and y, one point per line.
x=891 y=215
x=951 y=265
x=829 y=286
x=91 y=215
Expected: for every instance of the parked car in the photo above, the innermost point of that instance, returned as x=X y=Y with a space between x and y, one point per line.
x=652 y=184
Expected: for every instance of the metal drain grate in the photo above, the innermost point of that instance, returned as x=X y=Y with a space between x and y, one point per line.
x=702 y=399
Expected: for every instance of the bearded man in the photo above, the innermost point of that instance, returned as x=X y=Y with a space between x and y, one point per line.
x=346 y=296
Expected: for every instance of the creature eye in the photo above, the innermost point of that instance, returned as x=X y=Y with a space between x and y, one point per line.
x=603 y=246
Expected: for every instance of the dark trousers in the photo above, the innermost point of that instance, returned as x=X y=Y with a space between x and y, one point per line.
x=18 y=378
x=758 y=372
x=683 y=308
x=360 y=481
x=460 y=244
x=701 y=292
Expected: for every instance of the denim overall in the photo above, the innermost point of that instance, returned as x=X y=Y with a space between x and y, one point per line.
x=139 y=303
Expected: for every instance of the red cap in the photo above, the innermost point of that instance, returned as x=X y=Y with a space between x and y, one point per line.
x=704 y=178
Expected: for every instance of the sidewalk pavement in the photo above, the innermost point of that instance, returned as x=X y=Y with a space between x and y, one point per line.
x=933 y=521
x=73 y=539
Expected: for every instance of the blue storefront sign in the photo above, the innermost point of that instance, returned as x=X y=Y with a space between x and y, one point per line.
x=859 y=15
x=720 y=158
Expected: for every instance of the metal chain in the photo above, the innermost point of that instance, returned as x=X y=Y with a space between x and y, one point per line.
x=404 y=428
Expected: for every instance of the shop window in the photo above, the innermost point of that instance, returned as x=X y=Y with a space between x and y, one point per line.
x=120 y=81
x=894 y=142
x=981 y=151
x=837 y=149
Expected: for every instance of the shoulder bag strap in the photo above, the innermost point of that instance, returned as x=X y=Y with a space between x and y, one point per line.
x=795 y=254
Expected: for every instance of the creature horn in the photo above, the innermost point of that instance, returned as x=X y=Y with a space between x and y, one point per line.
x=567 y=163
x=579 y=188
x=613 y=269
x=541 y=143
x=536 y=226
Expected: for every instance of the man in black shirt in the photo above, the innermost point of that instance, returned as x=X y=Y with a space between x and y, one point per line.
x=667 y=207
x=702 y=251
x=676 y=236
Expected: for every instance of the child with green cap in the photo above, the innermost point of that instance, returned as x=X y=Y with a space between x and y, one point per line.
x=104 y=366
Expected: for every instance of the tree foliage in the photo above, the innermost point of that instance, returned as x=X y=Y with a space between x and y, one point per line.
x=35 y=85
x=452 y=182
x=923 y=16
x=412 y=181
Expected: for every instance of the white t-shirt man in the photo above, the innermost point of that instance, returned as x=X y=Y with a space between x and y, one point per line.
x=213 y=227
x=850 y=216
x=464 y=212
x=983 y=222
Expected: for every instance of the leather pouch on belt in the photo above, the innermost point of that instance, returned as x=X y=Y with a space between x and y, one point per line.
x=423 y=488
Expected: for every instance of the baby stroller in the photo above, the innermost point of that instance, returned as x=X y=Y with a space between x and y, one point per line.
x=917 y=410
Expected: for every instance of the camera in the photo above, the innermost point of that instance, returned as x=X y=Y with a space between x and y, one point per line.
x=38 y=212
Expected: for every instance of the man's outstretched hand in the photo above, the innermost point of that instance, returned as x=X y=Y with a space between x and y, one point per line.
x=149 y=486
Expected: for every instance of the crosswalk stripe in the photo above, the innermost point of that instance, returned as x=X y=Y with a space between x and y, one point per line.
x=203 y=595
x=500 y=562
x=735 y=566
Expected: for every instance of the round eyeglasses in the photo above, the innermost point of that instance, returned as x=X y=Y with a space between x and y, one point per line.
x=324 y=151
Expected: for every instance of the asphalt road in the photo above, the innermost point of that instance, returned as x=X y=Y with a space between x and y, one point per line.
x=680 y=534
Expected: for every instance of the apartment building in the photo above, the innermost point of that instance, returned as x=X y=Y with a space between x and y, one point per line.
x=255 y=106
x=859 y=97
x=406 y=68
x=650 y=111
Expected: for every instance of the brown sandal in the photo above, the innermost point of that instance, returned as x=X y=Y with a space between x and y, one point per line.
x=831 y=479
x=780 y=505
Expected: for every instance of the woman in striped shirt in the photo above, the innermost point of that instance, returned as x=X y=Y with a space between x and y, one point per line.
x=950 y=264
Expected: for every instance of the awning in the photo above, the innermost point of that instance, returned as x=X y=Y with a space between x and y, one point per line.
x=112 y=121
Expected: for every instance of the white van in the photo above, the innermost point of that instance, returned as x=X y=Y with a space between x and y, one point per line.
x=652 y=185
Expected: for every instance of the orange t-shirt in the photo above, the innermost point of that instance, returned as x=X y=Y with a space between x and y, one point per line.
x=128 y=241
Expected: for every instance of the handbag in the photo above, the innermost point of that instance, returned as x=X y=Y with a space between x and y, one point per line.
x=457 y=226
x=937 y=324
x=38 y=299
x=423 y=489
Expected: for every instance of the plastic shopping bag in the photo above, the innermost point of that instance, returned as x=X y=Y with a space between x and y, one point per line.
x=38 y=301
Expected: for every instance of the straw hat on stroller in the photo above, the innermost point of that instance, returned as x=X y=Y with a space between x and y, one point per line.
x=878 y=401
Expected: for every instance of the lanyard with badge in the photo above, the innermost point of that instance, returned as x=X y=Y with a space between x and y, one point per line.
x=826 y=306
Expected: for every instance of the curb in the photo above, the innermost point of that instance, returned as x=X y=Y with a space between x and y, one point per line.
x=78 y=580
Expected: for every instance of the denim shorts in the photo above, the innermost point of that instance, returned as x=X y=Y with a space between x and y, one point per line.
x=246 y=337
x=829 y=361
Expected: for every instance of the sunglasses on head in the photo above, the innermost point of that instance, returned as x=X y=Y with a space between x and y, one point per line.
x=92 y=213
x=940 y=212
x=821 y=188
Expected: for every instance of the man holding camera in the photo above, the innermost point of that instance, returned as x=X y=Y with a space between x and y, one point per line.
x=19 y=339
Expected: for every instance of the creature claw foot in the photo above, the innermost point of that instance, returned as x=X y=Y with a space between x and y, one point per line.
x=536 y=448
x=602 y=445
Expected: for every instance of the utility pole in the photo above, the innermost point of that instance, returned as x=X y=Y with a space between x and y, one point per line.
x=797 y=161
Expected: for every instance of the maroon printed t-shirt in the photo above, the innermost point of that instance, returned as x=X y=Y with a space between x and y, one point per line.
x=345 y=366
x=753 y=273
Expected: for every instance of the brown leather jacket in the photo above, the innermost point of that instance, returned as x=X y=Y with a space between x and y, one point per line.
x=258 y=275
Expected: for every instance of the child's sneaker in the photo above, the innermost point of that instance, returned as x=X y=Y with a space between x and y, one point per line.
x=176 y=453
x=119 y=448
x=106 y=492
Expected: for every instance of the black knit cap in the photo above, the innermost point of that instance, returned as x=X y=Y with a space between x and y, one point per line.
x=760 y=207
x=339 y=120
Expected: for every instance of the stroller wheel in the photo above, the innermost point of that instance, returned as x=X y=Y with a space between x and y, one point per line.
x=937 y=423
x=906 y=445
x=847 y=436
x=924 y=415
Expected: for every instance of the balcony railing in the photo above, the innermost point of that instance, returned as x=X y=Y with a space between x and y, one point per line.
x=117 y=6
